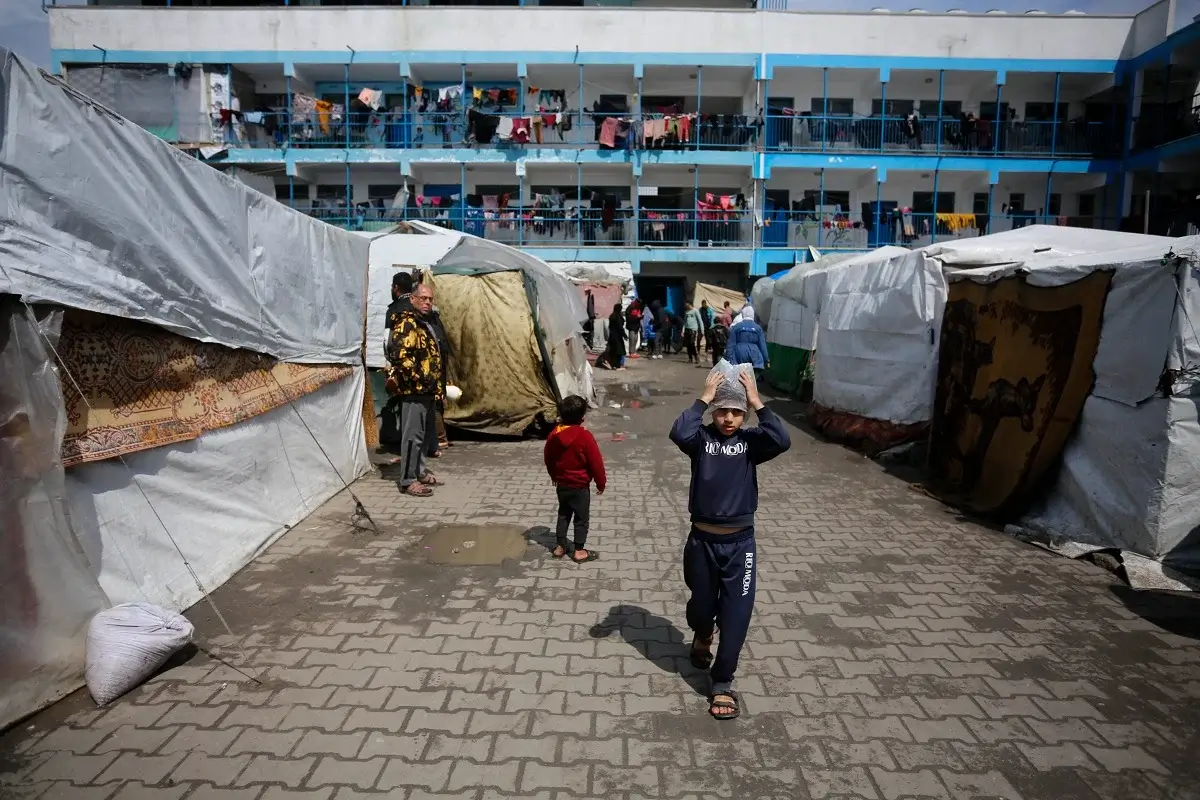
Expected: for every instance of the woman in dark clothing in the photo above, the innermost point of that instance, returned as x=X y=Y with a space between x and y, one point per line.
x=614 y=355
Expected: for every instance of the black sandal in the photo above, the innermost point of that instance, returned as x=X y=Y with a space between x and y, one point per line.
x=734 y=703
x=701 y=659
x=591 y=556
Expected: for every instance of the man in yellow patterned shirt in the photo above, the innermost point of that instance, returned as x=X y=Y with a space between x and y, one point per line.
x=414 y=378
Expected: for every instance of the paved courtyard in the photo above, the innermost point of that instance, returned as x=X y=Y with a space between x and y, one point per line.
x=898 y=651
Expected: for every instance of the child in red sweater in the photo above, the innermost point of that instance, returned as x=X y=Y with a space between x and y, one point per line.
x=573 y=460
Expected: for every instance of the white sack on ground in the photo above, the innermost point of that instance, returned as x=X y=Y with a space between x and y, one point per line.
x=127 y=643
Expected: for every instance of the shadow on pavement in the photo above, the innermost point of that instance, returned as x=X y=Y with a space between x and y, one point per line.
x=656 y=638
x=1172 y=611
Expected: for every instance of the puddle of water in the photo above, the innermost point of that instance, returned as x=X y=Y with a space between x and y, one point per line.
x=474 y=545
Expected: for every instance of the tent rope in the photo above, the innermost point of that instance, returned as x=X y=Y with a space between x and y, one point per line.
x=134 y=480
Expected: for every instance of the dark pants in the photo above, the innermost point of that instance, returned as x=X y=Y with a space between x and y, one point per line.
x=719 y=571
x=589 y=333
x=435 y=431
x=689 y=339
x=576 y=503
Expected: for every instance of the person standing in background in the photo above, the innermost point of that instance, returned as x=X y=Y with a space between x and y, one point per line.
x=633 y=324
x=589 y=327
x=707 y=319
x=726 y=316
x=614 y=353
x=389 y=422
x=747 y=342
x=415 y=379
x=691 y=333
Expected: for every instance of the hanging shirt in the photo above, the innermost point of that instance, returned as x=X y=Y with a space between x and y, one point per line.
x=608 y=132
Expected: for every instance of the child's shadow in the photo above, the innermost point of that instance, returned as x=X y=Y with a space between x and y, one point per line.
x=655 y=638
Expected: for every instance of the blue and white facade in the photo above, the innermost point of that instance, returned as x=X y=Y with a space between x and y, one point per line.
x=716 y=142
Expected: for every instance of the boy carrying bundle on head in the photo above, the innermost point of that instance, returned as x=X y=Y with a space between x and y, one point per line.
x=719 y=557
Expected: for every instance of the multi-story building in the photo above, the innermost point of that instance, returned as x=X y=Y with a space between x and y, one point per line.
x=716 y=142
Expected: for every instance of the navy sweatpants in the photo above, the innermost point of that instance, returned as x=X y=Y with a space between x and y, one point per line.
x=719 y=571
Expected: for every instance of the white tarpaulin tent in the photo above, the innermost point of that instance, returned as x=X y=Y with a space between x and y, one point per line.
x=392 y=252
x=880 y=315
x=762 y=293
x=792 y=327
x=1130 y=474
x=98 y=215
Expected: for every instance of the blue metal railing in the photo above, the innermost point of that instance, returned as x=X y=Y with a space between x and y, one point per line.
x=949 y=136
x=534 y=226
x=1163 y=126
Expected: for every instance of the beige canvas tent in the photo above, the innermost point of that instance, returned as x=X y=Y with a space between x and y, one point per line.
x=717 y=296
x=515 y=327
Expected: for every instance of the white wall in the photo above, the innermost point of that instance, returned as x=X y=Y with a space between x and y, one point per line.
x=631 y=30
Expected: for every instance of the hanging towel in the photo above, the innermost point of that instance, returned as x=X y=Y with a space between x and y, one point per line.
x=505 y=129
x=608 y=132
x=324 y=111
x=372 y=98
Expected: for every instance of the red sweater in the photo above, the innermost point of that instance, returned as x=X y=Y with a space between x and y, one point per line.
x=573 y=459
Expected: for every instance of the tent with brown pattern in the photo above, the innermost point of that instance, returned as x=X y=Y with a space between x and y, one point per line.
x=1067 y=390
x=515 y=327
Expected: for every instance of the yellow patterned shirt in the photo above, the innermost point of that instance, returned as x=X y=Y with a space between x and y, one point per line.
x=414 y=361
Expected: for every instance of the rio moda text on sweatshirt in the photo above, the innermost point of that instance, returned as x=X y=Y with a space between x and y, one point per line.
x=724 y=488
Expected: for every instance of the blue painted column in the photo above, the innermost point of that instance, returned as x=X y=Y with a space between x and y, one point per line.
x=579 y=127
x=941 y=95
x=882 y=111
x=699 y=101
x=825 y=129
x=287 y=123
x=820 y=204
x=1054 y=124
x=637 y=205
x=462 y=190
x=695 y=205
x=999 y=95
x=1046 y=207
x=766 y=112
x=990 y=205
x=291 y=191
x=933 y=222
x=346 y=109
x=878 y=201
x=579 y=194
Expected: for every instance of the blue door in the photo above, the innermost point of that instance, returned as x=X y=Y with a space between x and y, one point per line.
x=675 y=299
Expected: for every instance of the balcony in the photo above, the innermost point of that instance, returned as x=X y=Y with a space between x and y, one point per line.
x=1159 y=126
x=819 y=133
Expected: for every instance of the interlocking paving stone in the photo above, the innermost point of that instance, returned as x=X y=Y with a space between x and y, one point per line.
x=897 y=651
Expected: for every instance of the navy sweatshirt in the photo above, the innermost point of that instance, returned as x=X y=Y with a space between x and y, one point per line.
x=724 y=488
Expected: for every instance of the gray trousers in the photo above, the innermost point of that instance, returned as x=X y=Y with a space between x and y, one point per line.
x=416 y=421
